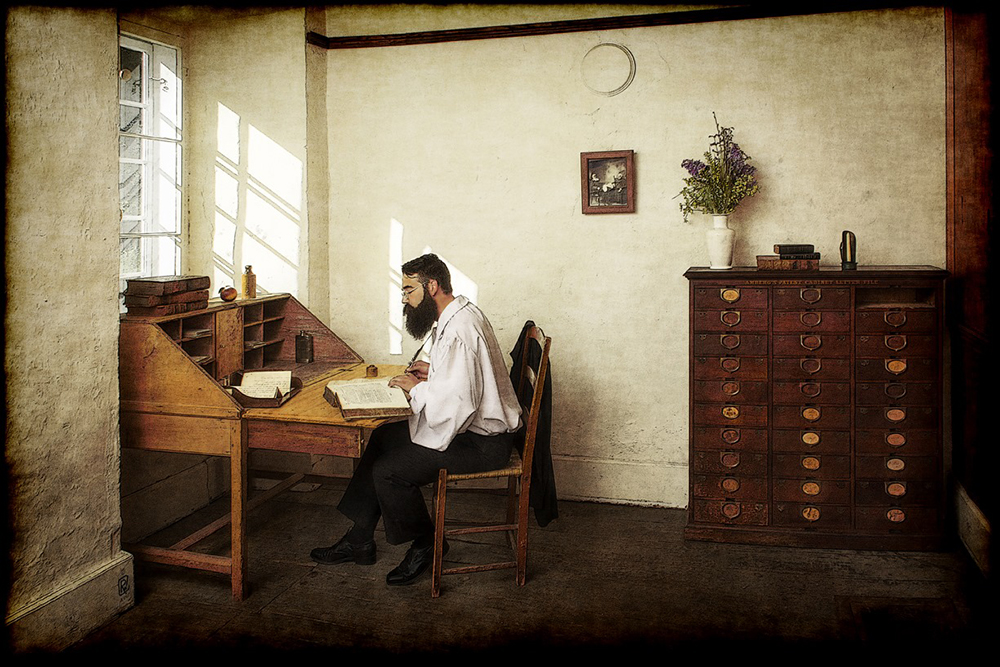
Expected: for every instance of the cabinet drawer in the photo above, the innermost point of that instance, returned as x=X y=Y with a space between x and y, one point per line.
x=730 y=415
x=817 y=416
x=723 y=487
x=897 y=519
x=745 y=439
x=818 y=441
x=730 y=391
x=897 y=344
x=806 y=296
x=730 y=320
x=799 y=393
x=730 y=512
x=721 y=297
x=751 y=464
x=824 y=321
x=818 y=516
x=904 y=441
x=807 y=368
x=837 y=492
x=896 y=393
x=821 y=345
x=737 y=368
x=818 y=466
x=898 y=492
x=898 y=418
x=889 y=369
x=730 y=344
x=895 y=320
x=897 y=466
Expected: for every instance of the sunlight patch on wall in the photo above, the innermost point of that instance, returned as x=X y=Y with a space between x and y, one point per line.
x=258 y=200
x=395 y=284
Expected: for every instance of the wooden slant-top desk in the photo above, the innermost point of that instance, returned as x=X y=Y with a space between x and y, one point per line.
x=173 y=374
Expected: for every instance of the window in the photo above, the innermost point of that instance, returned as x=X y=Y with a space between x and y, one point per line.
x=149 y=159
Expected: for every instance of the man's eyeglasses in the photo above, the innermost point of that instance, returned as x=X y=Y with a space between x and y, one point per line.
x=407 y=291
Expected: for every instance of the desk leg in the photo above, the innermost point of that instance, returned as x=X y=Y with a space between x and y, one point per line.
x=238 y=510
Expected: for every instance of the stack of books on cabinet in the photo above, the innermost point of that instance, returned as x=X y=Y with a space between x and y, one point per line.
x=166 y=295
x=791 y=257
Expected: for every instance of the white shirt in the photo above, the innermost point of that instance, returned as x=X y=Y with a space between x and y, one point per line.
x=468 y=386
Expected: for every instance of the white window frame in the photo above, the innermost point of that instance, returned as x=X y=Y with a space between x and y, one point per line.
x=160 y=217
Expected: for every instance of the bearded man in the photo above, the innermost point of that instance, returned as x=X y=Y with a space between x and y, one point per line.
x=465 y=414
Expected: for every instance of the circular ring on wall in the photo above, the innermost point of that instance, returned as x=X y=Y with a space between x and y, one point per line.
x=608 y=68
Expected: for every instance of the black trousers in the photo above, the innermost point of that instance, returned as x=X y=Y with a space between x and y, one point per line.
x=393 y=468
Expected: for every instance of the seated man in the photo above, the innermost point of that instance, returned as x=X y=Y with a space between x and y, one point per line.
x=465 y=413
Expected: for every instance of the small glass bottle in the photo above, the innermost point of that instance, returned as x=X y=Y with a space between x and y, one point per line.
x=249 y=283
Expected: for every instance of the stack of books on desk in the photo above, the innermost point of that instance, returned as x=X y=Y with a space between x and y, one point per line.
x=790 y=256
x=166 y=295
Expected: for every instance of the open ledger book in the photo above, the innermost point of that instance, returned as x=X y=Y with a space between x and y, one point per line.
x=362 y=398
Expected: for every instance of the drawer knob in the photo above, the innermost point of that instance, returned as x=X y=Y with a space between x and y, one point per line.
x=729 y=294
x=895 y=415
x=811 y=488
x=730 y=341
x=810 y=513
x=730 y=485
x=730 y=459
x=895 y=342
x=730 y=510
x=810 y=462
x=811 y=366
x=810 y=389
x=730 y=364
x=810 y=294
x=895 y=390
x=811 y=319
x=731 y=435
x=895 y=318
x=895 y=464
x=895 y=366
x=730 y=412
x=896 y=489
x=896 y=515
x=896 y=439
x=730 y=317
x=730 y=387
x=811 y=341
x=811 y=414
x=810 y=438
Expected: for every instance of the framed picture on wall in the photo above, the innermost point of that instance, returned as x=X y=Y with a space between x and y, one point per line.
x=608 y=181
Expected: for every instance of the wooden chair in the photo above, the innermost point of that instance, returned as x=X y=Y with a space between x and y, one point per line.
x=529 y=390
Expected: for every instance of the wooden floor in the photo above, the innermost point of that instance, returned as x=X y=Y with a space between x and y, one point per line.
x=601 y=578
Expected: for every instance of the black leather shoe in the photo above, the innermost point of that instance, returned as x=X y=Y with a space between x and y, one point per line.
x=415 y=562
x=345 y=552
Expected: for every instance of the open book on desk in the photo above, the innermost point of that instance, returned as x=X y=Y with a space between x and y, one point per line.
x=264 y=389
x=363 y=398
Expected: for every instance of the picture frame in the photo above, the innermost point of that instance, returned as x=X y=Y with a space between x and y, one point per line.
x=607 y=181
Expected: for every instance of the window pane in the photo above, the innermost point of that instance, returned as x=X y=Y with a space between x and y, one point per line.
x=130 y=147
x=130 y=119
x=130 y=256
x=164 y=253
x=130 y=188
x=131 y=74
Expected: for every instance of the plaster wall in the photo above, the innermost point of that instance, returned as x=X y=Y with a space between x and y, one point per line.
x=68 y=574
x=246 y=150
x=472 y=150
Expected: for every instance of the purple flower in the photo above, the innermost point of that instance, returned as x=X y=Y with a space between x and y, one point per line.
x=694 y=167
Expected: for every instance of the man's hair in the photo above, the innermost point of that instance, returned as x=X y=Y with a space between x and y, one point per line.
x=429 y=267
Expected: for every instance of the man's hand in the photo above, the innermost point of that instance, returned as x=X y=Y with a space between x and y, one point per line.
x=419 y=369
x=406 y=382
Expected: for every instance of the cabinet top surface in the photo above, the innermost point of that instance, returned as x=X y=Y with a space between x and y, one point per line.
x=833 y=273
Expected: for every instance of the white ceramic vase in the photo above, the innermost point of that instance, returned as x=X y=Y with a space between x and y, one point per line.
x=720 y=243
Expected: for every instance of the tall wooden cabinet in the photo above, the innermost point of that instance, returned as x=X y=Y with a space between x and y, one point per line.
x=816 y=407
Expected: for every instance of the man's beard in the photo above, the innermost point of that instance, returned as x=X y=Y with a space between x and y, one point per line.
x=420 y=318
